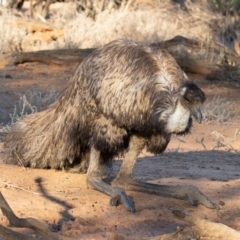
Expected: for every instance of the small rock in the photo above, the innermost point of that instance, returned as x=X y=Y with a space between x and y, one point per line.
x=221 y=203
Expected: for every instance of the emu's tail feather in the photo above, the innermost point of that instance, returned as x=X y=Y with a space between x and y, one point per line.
x=38 y=141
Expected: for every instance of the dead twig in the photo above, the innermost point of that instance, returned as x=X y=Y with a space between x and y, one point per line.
x=31 y=223
x=201 y=141
x=9 y=234
x=18 y=187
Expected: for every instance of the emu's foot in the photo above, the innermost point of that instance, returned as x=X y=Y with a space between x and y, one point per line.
x=195 y=197
x=189 y=193
x=118 y=196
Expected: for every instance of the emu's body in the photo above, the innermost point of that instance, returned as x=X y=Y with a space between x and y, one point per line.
x=123 y=97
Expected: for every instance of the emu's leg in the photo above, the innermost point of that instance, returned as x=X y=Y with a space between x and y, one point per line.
x=94 y=180
x=82 y=167
x=124 y=179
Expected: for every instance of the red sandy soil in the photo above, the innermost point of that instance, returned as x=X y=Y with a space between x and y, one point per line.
x=62 y=200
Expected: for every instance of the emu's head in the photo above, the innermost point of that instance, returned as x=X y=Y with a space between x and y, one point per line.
x=192 y=97
x=190 y=101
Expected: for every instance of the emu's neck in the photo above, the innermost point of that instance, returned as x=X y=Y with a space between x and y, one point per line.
x=178 y=120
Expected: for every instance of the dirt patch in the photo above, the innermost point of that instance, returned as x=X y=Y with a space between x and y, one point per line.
x=207 y=158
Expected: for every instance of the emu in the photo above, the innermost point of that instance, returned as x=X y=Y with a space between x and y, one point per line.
x=123 y=97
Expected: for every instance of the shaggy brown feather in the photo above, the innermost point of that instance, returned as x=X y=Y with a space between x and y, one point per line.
x=119 y=89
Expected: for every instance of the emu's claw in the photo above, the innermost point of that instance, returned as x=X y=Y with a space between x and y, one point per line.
x=195 y=197
x=118 y=196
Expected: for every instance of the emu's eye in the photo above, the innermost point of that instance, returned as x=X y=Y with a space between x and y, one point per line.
x=187 y=101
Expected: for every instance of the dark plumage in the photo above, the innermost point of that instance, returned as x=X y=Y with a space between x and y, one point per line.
x=123 y=97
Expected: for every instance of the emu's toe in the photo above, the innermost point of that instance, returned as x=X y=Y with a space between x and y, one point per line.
x=119 y=196
x=197 y=197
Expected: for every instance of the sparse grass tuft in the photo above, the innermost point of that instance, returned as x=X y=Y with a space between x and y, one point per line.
x=219 y=110
x=31 y=101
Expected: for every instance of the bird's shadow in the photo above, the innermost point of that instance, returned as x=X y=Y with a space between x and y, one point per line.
x=214 y=165
x=223 y=166
x=66 y=216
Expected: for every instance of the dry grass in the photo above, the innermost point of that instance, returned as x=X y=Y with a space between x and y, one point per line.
x=29 y=102
x=143 y=21
x=219 y=110
x=157 y=21
x=32 y=101
x=145 y=26
x=10 y=37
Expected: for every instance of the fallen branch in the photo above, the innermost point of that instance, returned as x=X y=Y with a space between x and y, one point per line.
x=195 y=44
x=8 y=234
x=58 y=57
x=218 y=68
x=205 y=229
x=199 y=229
x=31 y=223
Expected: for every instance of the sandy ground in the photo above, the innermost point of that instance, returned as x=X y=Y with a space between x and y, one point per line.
x=208 y=158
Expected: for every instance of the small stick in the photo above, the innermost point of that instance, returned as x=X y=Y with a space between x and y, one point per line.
x=21 y=188
x=20 y=161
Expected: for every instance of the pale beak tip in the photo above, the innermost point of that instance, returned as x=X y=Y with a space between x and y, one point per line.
x=199 y=116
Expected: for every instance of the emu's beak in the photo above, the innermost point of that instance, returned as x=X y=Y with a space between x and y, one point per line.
x=197 y=113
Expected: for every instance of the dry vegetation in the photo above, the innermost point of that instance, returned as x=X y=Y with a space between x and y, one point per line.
x=219 y=110
x=144 y=21
x=83 y=24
